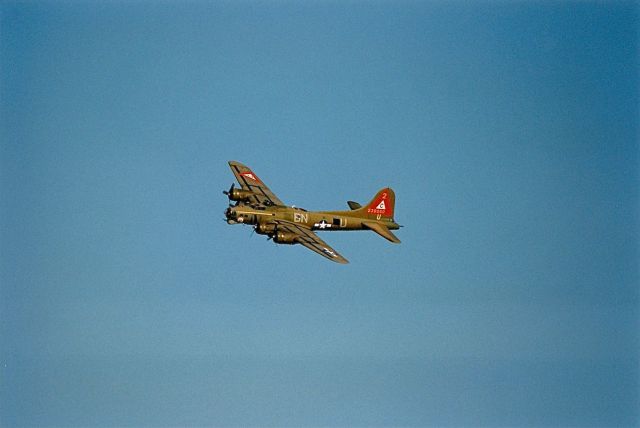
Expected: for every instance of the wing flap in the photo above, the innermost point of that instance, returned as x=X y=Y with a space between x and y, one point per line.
x=306 y=238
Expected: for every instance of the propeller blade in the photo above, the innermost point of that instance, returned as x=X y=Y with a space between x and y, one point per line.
x=228 y=192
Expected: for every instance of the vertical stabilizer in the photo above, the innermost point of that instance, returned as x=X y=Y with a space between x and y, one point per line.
x=381 y=206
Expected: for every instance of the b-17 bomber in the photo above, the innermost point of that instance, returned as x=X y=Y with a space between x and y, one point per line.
x=255 y=204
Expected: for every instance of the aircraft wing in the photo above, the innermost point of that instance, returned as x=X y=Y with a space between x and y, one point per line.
x=307 y=238
x=249 y=181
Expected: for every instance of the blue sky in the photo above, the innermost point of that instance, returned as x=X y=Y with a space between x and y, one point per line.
x=508 y=130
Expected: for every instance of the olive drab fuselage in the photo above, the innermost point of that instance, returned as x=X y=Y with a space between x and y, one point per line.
x=315 y=220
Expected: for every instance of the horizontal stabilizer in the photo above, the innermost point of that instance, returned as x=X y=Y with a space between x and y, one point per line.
x=382 y=231
x=354 y=205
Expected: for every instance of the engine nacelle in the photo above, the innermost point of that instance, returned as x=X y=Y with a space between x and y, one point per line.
x=265 y=229
x=240 y=195
x=284 y=237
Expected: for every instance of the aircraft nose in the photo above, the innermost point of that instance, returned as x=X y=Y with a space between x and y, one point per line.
x=229 y=215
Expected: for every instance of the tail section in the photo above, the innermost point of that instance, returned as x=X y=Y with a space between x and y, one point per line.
x=377 y=215
x=381 y=206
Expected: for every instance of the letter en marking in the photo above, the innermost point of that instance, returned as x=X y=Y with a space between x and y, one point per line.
x=300 y=217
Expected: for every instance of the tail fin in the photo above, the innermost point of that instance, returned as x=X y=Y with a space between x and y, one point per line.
x=381 y=206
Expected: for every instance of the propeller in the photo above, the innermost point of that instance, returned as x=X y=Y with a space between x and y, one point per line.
x=230 y=191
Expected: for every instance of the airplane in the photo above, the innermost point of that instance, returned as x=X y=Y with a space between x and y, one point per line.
x=256 y=205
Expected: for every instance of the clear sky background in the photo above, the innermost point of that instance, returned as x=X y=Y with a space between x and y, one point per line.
x=509 y=131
